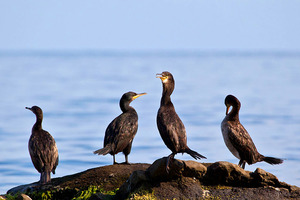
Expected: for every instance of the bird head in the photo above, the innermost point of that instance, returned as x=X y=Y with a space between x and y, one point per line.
x=165 y=77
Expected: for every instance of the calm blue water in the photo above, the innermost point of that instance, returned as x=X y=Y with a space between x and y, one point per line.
x=79 y=94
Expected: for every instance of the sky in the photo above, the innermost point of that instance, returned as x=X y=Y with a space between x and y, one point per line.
x=267 y=25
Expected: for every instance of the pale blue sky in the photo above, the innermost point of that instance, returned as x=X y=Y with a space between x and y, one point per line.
x=150 y=25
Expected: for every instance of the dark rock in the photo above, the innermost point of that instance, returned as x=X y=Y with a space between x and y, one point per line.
x=136 y=180
x=183 y=188
x=108 y=178
x=158 y=169
x=100 y=196
x=23 y=188
x=225 y=173
x=157 y=173
x=222 y=180
x=194 y=169
x=263 y=178
x=241 y=193
x=185 y=180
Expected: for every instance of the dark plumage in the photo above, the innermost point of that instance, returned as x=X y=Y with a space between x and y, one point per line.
x=42 y=148
x=170 y=127
x=120 y=132
x=237 y=139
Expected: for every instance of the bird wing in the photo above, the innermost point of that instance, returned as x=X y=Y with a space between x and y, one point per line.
x=35 y=153
x=171 y=129
x=242 y=141
x=121 y=131
x=126 y=135
x=111 y=132
x=43 y=151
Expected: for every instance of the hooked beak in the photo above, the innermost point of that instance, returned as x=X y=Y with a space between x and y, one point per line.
x=138 y=95
x=227 y=109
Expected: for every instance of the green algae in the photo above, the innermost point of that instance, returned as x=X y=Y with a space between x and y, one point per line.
x=86 y=194
x=66 y=193
x=142 y=195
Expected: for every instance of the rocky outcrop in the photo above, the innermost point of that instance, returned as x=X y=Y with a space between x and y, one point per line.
x=185 y=180
x=104 y=179
x=193 y=180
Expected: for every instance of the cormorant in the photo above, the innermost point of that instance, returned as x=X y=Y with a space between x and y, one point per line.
x=42 y=148
x=237 y=139
x=170 y=127
x=120 y=132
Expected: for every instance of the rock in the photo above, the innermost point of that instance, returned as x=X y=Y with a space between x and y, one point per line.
x=156 y=173
x=17 y=197
x=263 y=178
x=158 y=169
x=198 y=181
x=23 y=188
x=185 y=180
x=217 y=180
x=108 y=178
x=135 y=180
x=182 y=188
x=23 y=197
x=225 y=173
x=242 y=193
x=100 y=196
x=194 y=169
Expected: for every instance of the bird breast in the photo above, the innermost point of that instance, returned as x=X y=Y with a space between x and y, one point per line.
x=225 y=127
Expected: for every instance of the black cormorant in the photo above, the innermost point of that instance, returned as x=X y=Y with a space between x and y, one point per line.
x=170 y=127
x=42 y=148
x=120 y=132
x=237 y=139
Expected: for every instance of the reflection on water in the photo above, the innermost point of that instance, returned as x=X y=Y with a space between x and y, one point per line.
x=80 y=94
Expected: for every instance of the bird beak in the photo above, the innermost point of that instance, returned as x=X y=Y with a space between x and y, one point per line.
x=227 y=109
x=28 y=108
x=163 y=78
x=158 y=75
x=138 y=95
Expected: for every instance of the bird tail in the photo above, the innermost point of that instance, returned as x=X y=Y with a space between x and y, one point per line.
x=194 y=154
x=105 y=150
x=272 y=160
x=45 y=177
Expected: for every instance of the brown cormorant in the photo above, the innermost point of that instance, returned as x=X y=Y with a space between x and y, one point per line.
x=170 y=127
x=120 y=132
x=42 y=148
x=237 y=139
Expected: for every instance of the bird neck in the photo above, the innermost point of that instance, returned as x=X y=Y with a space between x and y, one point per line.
x=166 y=94
x=234 y=113
x=125 y=107
x=38 y=123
